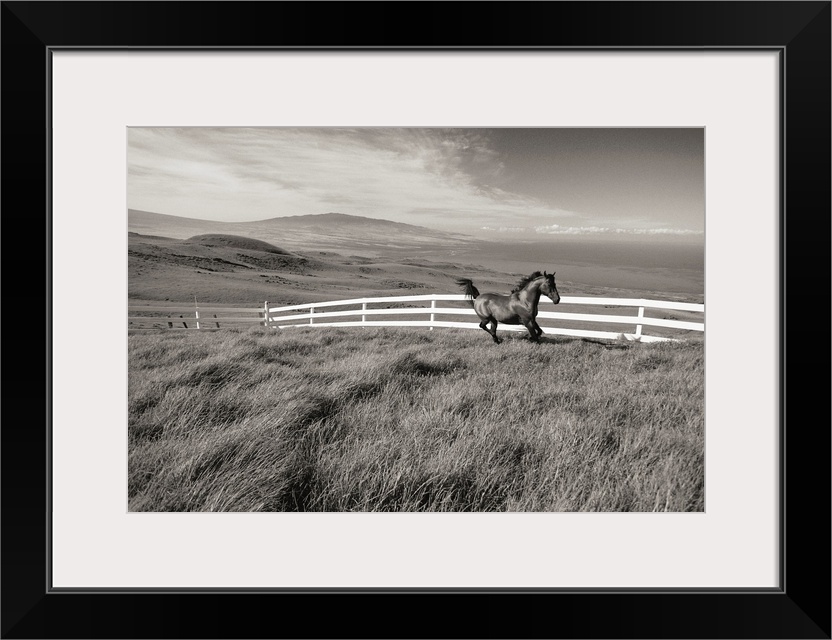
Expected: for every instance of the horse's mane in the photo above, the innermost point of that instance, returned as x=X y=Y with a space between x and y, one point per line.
x=526 y=280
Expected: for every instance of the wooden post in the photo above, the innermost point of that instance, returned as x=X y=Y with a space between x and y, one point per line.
x=311 y=311
x=432 y=316
x=363 y=308
x=266 y=314
x=638 y=326
x=196 y=313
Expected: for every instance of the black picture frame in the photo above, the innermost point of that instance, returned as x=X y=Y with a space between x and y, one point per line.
x=799 y=31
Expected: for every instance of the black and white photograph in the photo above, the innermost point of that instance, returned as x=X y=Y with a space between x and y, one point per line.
x=416 y=319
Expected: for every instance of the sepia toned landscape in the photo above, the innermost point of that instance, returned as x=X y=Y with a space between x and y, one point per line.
x=243 y=415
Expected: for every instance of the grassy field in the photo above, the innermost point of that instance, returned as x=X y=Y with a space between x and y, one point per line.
x=412 y=420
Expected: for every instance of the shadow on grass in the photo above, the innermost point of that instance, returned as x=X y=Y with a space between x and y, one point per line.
x=560 y=340
x=544 y=339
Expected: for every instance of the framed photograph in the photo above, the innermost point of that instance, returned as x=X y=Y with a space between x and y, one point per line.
x=220 y=171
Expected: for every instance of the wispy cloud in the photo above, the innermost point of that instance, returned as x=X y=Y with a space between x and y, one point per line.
x=259 y=173
x=556 y=229
x=445 y=178
x=505 y=229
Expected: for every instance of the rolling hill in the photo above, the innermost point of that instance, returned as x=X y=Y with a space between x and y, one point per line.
x=225 y=268
x=322 y=232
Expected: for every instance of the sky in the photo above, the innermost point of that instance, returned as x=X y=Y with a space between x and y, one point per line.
x=646 y=183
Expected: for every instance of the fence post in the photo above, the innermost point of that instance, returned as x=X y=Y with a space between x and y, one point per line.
x=266 y=314
x=638 y=326
x=432 y=316
x=311 y=311
x=196 y=313
x=218 y=324
x=363 y=308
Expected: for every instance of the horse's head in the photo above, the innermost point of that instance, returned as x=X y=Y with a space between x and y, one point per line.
x=550 y=288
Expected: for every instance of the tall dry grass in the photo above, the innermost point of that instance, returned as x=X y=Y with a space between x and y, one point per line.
x=411 y=420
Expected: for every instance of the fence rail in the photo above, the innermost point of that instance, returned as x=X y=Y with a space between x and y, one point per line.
x=319 y=314
x=572 y=310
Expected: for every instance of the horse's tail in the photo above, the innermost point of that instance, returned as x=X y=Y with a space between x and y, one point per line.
x=469 y=288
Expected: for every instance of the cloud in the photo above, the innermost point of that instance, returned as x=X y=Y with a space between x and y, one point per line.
x=558 y=229
x=438 y=177
x=444 y=178
x=505 y=229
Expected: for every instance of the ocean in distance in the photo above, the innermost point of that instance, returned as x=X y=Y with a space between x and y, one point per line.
x=674 y=267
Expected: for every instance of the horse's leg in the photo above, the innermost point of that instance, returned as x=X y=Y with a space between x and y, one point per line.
x=493 y=331
x=530 y=325
x=537 y=327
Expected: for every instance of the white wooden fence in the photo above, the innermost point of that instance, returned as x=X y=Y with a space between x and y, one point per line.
x=620 y=317
x=319 y=314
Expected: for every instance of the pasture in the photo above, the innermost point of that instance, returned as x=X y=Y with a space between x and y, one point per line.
x=376 y=419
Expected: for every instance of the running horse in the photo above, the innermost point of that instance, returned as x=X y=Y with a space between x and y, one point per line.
x=519 y=307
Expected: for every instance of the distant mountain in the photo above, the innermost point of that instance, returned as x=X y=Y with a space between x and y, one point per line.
x=329 y=221
x=337 y=232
